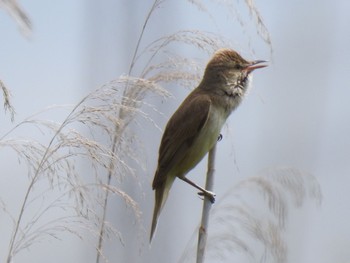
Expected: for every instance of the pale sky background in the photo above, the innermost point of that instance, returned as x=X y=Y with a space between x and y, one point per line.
x=296 y=115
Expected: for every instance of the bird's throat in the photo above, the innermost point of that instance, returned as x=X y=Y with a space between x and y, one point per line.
x=238 y=87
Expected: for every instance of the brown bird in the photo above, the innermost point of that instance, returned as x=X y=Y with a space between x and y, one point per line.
x=195 y=127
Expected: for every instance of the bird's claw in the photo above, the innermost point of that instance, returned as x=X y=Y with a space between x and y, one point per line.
x=220 y=137
x=210 y=195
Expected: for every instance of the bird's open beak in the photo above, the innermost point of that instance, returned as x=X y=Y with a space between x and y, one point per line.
x=255 y=64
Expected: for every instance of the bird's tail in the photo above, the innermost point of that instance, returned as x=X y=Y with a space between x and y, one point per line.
x=161 y=195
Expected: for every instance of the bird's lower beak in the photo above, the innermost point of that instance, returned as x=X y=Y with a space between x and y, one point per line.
x=255 y=64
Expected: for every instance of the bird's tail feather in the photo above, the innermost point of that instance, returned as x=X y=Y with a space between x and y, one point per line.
x=161 y=195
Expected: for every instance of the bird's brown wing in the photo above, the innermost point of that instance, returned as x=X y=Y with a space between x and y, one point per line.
x=180 y=132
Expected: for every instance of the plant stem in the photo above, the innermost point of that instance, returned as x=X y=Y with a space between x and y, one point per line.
x=102 y=227
x=203 y=228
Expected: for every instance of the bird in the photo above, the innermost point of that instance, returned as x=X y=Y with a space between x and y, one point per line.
x=195 y=126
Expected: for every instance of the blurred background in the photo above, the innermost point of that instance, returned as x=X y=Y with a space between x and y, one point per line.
x=297 y=114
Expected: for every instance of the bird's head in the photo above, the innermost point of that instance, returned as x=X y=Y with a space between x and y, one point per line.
x=229 y=71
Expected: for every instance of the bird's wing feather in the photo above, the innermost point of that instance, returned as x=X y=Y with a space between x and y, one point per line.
x=180 y=132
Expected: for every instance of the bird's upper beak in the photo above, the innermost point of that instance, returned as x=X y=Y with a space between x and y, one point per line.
x=254 y=65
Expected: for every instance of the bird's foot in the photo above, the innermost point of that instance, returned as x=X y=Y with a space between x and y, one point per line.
x=220 y=137
x=210 y=195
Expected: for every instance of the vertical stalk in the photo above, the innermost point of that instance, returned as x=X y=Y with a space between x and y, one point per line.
x=203 y=228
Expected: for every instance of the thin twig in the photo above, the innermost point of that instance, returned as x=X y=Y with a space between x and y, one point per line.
x=34 y=180
x=203 y=229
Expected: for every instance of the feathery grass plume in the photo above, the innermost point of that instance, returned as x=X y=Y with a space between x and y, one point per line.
x=74 y=194
x=250 y=219
x=175 y=68
x=262 y=29
x=7 y=101
x=132 y=96
x=18 y=14
x=232 y=9
x=182 y=71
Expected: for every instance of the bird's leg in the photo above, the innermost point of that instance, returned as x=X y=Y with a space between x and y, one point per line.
x=202 y=192
x=220 y=137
